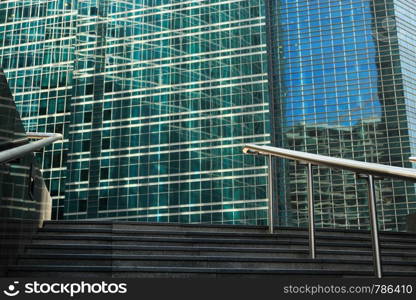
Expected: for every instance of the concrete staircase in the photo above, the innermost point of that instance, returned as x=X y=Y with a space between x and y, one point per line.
x=129 y=249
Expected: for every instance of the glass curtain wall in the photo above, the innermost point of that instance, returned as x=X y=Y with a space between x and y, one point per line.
x=36 y=38
x=165 y=94
x=340 y=86
x=156 y=98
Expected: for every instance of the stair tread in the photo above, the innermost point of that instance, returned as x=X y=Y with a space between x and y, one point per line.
x=209 y=258
x=212 y=240
x=208 y=248
x=158 y=269
x=166 y=269
x=221 y=234
x=203 y=225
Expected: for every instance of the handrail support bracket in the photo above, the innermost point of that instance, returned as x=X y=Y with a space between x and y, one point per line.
x=270 y=193
x=372 y=206
x=311 y=211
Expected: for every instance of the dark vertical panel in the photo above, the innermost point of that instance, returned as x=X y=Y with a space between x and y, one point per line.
x=23 y=203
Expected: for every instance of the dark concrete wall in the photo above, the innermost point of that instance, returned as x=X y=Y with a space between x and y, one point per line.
x=24 y=199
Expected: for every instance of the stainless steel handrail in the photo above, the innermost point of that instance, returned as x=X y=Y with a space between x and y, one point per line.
x=19 y=151
x=365 y=169
x=334 y=162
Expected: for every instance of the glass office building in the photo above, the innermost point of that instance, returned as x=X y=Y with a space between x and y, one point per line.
x=342 y=78
x=155 y=99
x=36 y=39
x=165 y=94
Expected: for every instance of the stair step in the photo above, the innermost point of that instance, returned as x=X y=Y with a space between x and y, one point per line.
x=41 y=238
x=155 y=226
x=224 y=234
x=184 y=272
x=208 y=250
x=216 y=228
x=204 y=261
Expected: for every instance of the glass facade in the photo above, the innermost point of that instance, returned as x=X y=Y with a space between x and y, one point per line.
x=36 y=53
x=165 y=95
x=343 y=84
x=156 y=99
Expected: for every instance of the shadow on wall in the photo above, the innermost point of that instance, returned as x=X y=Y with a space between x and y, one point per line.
x=24 y=200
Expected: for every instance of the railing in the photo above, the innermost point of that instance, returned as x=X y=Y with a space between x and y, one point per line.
x=27 y=202
x=362 y=169
x=45 y=139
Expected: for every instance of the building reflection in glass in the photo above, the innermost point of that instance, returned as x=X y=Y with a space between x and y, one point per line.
x=337 y=90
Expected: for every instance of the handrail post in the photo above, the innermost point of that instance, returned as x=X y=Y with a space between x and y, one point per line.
x=270 y=194
x=374 y=226
x=358 y=167
x=311 y=217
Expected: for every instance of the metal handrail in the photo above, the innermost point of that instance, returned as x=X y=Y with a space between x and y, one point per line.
x=19 y=151
x=363 y=169
x=360 y=167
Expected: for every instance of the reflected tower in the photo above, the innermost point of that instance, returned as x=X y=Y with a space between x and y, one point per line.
x=341 y=86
